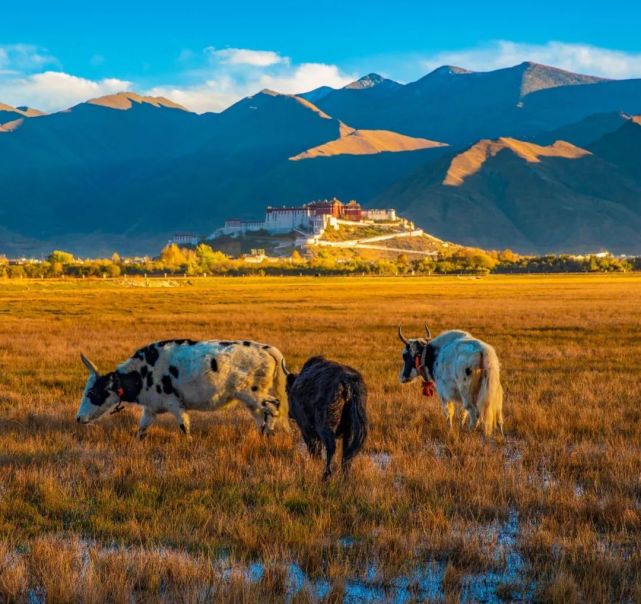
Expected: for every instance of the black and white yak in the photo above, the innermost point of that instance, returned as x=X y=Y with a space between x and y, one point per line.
x=177 y=376
x=464 y=371
x=328 y=400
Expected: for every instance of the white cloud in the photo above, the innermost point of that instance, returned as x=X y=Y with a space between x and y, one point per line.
x=22 y=58
x=213 y=79
x=55 y=90
x=27 y=78
x=306 y=77
x=223 y=82
x=245 y=56
x=581 y=58
x=208 y=81
x=211 y=95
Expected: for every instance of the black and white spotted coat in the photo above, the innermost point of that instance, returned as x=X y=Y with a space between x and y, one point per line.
x=177 y=376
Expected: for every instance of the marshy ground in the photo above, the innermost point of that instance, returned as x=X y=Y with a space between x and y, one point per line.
x=553 y=512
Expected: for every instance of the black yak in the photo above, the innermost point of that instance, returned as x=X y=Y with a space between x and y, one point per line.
x=327 y=400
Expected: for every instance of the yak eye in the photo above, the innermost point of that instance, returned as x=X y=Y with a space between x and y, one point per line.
x=97 y=396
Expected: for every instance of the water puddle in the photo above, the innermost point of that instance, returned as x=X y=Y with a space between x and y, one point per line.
x=512 y=456
x=507 y=579
x=425 y=583
x=381 y=460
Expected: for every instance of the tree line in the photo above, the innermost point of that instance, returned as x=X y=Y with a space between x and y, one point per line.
x=204 y=260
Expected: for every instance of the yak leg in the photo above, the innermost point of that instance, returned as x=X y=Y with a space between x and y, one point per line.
x=308 y=432
x=183 y=420
x=472 y=411
x=447 y=407
x=465 y=417
x=469 y=408
x=449 y=410
x=148 y=418
x=346 y=463
x=178 y=411
x=329 y=440
x=314 y=445
x=256 y=404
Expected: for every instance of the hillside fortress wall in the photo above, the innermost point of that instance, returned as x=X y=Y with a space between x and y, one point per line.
x=311 y=218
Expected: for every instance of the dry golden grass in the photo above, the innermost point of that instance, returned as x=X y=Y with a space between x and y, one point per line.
x=90 y=514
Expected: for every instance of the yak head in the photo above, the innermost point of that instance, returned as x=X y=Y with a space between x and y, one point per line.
x=412 y=352
x=100 y=394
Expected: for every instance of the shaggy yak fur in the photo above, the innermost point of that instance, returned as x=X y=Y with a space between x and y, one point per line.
x=178 y=376
x=327 y=400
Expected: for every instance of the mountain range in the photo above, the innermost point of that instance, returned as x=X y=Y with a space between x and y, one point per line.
x=529 y=157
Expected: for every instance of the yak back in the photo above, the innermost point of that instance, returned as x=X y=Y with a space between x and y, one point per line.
x=322 y=389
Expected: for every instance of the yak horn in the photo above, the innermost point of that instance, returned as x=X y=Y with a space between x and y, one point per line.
x=88 y=364
x=285 y=370
x=401 y=337
x=428 y=333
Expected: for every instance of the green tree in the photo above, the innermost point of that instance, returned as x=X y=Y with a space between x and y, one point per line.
x=172 y=257
x=209 y=260
x=60 y=257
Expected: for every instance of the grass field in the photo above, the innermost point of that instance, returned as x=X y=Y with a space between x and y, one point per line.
x=89 y=514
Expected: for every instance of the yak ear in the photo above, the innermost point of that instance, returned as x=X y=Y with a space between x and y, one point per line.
x=89 y=365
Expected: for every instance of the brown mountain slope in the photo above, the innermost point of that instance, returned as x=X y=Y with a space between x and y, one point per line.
x=30 y=111
x=367 y=142
x=508 y=193
x=472 y=160
x=126 y=100
x=10 y=114
x=12 y=125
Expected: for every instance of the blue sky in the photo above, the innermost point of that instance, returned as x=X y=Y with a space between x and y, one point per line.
x=209 y=54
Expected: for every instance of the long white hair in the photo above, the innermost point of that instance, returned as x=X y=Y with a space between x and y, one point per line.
x=489 y=400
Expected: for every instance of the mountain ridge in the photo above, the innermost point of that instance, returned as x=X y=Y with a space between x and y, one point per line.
x=132 y=169
x=124 y=101
x=537 y=199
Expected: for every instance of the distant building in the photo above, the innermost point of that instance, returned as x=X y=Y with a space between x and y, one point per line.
x=352 y=211
x=240 y=227
x=331 y=207
x=311 y=218
x=380 y=215
x=185 y=239
x=284 y=220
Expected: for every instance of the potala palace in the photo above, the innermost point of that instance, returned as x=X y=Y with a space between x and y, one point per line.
x=311 y=218
x=307 y=221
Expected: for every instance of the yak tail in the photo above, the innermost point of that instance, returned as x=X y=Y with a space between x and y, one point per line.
x=280 y=387
x=489 y=401
x=354 y=419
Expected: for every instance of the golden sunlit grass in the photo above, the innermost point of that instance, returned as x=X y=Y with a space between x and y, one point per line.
x=88 y=513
